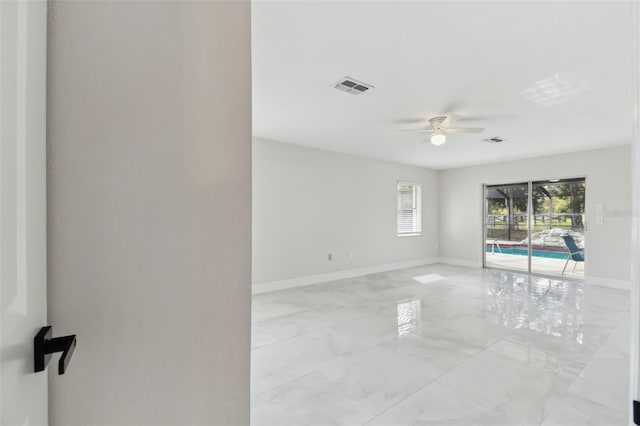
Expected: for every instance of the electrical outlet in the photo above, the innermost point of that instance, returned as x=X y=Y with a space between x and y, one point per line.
x=329 y=256
x=350 y=253
x=599 y=220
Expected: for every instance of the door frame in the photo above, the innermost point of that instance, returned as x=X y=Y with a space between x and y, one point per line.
x=634 y=352
x=529 y=183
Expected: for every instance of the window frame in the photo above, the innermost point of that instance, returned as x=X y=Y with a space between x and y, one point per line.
x=416 y=209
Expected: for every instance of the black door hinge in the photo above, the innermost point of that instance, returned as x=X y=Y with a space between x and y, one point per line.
x=636 y=412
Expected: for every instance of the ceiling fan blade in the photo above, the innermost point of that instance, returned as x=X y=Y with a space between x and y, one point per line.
x=484 y=117
x=417 y=130
x=454 y=117
x=411 y=121
x=466 y=130
x=451 y=107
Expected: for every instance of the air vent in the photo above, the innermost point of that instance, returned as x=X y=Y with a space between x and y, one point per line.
x=495 y=139
x=353 y=86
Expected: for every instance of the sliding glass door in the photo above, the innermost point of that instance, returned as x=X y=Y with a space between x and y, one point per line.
x=507 y=226
x=558 y=228
x=536 y=227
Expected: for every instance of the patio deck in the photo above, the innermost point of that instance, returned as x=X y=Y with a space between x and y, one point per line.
x=539 y=265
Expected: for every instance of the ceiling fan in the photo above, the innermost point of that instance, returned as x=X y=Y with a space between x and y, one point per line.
x=440 y=126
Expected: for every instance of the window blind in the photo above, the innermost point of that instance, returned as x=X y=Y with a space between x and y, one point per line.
x=409 y=208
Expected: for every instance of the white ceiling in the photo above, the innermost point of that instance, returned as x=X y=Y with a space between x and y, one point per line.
x=424 y=58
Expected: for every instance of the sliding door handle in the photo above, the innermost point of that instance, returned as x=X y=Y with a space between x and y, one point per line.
x=44 y=346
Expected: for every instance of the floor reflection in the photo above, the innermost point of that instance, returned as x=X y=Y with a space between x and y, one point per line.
x=544 y=305
x=428 y=278
x=408 y=315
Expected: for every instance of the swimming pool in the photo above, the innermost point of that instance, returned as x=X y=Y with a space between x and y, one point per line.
x=536 y=253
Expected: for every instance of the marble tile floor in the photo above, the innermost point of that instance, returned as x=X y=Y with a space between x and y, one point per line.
x=441 y=345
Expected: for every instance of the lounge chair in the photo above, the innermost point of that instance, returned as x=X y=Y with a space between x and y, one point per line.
x=575 y=253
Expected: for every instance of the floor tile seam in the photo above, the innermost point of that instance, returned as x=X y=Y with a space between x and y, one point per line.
x=437 y=320
x=289 y=338
x=310 y=331
x=330 y=363
x=587 y=364
x=562 y=397
x=604 y=341
x=349 y=397
x=279 y=317
x=309 y=308
x=602 y=403
x=444 y=371
x=430 y=382
x=353 y=354
x=255 y=321
x=511 y=360
x=403 y=399
x=541 y=350
x=491 y=409
x=480 y=403
x=335 y=388
x=607 y=338
x=344 y=394
x=550 y=352
x=470 y=398
x=619 y=322
x=340 y=358
x=271 y=389
x=619 y=314
x=568 y=393
x=592 y=359
x=304 y=374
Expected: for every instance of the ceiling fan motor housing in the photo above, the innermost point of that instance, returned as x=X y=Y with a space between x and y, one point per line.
x=437 y=122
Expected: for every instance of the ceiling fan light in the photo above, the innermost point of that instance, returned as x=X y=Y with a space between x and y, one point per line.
x=438 y=139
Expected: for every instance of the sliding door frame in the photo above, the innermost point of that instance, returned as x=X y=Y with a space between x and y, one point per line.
x=485 y=212
x=530 y=215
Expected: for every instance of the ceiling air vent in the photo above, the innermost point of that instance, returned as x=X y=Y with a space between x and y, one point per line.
x=495 y=139
x=353 y=86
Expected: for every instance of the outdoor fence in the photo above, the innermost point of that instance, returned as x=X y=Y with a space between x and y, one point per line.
x=498 y=224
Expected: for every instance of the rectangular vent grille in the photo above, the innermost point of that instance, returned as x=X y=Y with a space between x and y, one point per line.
x=353 y=86
x=495 y=139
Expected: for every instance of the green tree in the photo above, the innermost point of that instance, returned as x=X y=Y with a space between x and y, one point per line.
x=573 y=195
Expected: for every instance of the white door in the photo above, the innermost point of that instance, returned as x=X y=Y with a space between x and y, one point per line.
x=23 y=271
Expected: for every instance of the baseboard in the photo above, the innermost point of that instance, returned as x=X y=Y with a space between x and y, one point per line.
x=602 y=282
x=339 y=275
x=608 y=282
x=459 y=262
x=351 y=273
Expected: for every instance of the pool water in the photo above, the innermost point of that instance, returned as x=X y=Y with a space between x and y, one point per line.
x=536 y=253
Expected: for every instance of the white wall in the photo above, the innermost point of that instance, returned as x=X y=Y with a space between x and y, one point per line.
x=608 y=173
x=308 y=203
x=149 y=144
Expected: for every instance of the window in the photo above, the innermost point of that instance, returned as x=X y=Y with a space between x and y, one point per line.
x=409 y=209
